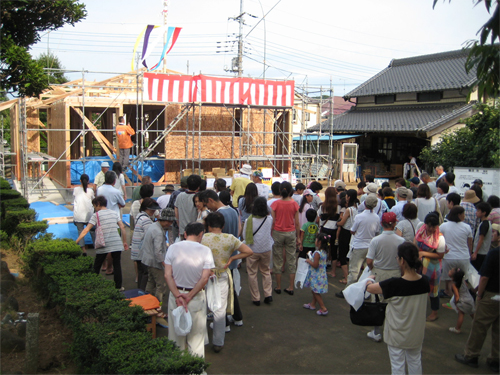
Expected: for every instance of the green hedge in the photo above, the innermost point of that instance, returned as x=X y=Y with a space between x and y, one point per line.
x=13 y=218
x=27 y=231
x=35 y=252
x=4 y=184
x=15 y=204
x=6 y=194
x=109 y=335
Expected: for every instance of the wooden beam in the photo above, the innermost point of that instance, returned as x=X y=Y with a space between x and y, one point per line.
x=95 y=131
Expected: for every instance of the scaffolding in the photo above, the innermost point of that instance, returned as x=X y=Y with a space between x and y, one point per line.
x=257 y=135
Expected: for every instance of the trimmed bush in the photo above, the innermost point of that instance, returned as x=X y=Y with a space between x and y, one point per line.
x=35 y=252
x=13 y=218
x=15 y=204
x=6 y=194
x=26 y=231
x=109 y=335
x=4 y=184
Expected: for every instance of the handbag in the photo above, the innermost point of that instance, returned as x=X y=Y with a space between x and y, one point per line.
x=369 y=314
x=99 y=235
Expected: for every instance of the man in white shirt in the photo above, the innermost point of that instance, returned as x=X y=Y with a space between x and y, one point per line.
x=164 y=199
x=366 y=226
x=440 y=172
x=381 y=258
x=112 y=195
x=401 y=197
x=262 y=189
x=188 y=266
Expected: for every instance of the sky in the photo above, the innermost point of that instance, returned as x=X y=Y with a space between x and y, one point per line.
x=315 y=42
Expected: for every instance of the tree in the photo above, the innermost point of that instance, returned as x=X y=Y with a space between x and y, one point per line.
x=484 y=54
x=475 y=145
x=22 y=23
x=51 y=61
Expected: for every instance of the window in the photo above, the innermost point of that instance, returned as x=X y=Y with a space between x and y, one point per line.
x=237 y=122
x=385 y=99
x=434 y=96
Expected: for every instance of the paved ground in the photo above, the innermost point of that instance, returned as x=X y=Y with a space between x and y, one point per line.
x=285 y=338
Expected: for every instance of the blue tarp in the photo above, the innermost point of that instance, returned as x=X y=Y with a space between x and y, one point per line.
x=153 y=168
x=45 y=210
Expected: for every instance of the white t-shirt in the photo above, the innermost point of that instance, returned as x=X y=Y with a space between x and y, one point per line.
x=271 y=201
x=456 y=236
x=366 y=226
x=425 y=206
x=384 y=249
x=188 y=260
x=120 y=183
x=262 y=240
x=163 y=200
x=297 y=198
x=263 y=190
x=82 y=209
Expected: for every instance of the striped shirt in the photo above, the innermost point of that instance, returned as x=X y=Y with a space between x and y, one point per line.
x=108 y=220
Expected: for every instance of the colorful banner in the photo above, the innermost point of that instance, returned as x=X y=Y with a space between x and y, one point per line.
x=172 y=35
x=200 y=88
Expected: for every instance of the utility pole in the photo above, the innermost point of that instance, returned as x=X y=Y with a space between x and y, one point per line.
x=240 y=41
x=165 y=13
x=237 y=62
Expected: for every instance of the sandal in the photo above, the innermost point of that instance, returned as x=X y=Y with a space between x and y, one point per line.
x=343 y=281
x=277 y=291
x=288 y=291
x=308 y=306
x=322 y=313
x=109 y=273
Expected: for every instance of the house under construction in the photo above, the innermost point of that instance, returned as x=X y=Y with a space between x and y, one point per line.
x=194 y=123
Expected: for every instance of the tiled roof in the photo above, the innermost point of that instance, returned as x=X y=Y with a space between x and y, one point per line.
x=436 y=72
x=394 y=118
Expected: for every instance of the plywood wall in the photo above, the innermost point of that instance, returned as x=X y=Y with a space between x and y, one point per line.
x=58 y=142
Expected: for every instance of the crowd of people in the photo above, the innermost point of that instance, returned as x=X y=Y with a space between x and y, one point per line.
x=410 y=239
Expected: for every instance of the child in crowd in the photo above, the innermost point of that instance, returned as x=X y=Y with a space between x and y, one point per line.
x=462 y=297
x=361 y=193
x=316 y=278
x=482 y=237
x=308 y=233
x=297 y=195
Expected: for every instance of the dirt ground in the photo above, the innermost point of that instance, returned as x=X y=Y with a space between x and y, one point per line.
x=55 y=338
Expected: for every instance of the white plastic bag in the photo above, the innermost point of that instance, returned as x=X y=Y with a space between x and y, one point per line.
x=237 y=281
x=182 y=321
x=213 y=294
x=366 y=272
x=472 y=276
x=301 y=273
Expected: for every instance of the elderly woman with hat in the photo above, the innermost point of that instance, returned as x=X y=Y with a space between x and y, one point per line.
x=469 y=204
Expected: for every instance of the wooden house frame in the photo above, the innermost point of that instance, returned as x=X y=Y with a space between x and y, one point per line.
x=204 y=136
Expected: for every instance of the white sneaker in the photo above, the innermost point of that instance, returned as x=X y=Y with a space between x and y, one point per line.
x=230 y=319
x=374 y=337
x=228 y=329
x=238 y=323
